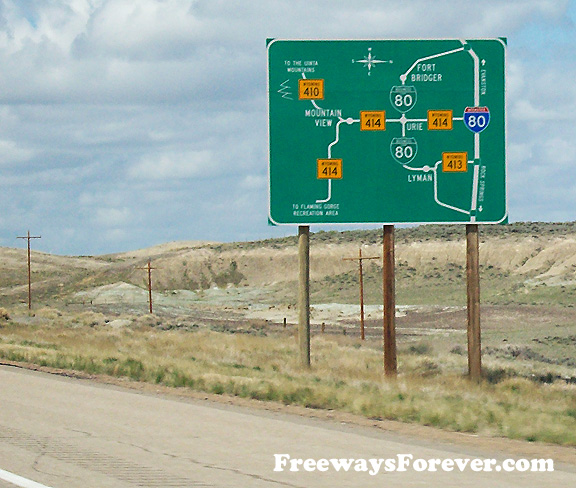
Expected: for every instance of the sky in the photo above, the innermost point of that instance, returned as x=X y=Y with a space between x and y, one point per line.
x=130 y=123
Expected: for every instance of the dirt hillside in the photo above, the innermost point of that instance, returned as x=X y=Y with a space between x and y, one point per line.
x=531 y=261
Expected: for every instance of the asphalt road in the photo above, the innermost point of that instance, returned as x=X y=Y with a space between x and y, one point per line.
x=70 y=433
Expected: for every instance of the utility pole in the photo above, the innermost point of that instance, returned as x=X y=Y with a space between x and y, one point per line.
x=149 y=268
x=360 y=258
x=28 y=237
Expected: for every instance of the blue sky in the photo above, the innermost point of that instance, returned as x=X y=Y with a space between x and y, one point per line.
x=128 y=123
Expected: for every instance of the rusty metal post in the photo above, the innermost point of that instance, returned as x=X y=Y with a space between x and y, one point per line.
x=28 y=237
x=389 y=296
x=473 y=299
x=304 y=294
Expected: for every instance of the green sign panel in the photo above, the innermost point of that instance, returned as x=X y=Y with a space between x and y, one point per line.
x=387 y=131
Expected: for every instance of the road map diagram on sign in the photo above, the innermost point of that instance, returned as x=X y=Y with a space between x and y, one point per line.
x=387 y=131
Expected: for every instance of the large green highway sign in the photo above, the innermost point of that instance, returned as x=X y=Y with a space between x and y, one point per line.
x=387 y=131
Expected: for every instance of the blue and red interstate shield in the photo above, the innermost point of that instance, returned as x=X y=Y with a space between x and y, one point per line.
x=476 y=118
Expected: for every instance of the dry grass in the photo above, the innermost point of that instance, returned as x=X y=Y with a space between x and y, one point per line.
x=432 y=389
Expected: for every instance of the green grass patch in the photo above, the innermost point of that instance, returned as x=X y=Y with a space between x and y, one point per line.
x=431 y=389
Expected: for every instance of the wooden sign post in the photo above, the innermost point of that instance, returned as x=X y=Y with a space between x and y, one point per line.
x=304 y=294
x=473 y=295
x=389 y=295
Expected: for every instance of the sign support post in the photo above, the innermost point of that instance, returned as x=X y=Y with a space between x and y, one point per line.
x=389 y=309
x=473 y=298
x=304 y=294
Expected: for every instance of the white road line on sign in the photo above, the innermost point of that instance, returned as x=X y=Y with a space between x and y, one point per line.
x=19 y=480
x=435 y=170
x=348 y=121
x=329 y=197
x=475 y=183
x=476 y=74
x=405 y=75
x=335 y=141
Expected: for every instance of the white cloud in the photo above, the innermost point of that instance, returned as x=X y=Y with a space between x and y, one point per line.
x=34 y=23
x=525 y=111
x=142 y=30
x=112 y=217
x=121 y=51
x=253 y=182
x=175 y=165
x=115 y=236
x=559 y=153
x=120 y=110
x=11 y=153
x=519 y=152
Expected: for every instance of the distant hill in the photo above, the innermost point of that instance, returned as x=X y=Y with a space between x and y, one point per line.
x=533 y=263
